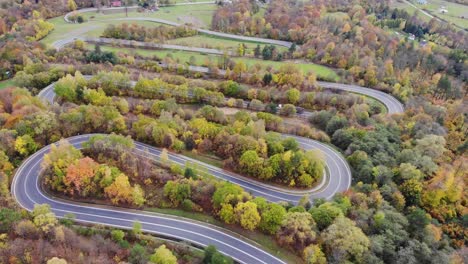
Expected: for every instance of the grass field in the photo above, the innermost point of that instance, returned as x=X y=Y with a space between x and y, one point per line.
x=322 y=72
x=455 y=11
x=95 y=29
x=454 y=14
x=199 y=15
x=63 y=28
x=410 y=9
x=6 y=84
x=266 y=241
x=206 y=41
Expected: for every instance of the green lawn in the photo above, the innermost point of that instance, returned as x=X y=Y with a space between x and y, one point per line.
x=453 y=16
x=322 y=72
x=411 y=10
x=266 y=241
x=199 y=15
x=6 y=83
x=90 y=30
x=206 y=41
x=455 y=11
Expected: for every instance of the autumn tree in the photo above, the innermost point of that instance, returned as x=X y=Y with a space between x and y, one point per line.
x=344 y=241
x=314 y=255
x=43 y=218
x=79 y=176
x=297 y=231
x=247 y=215
x=120 y=190
x=71 y=5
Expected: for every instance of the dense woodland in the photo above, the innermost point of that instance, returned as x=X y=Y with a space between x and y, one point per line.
x=342 y=34
x=142 y=33
x=407 y=204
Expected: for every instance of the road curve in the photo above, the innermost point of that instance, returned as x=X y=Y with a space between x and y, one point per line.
x=203 y=31
x=338 y=178
x=391 y=103
x=27 y=192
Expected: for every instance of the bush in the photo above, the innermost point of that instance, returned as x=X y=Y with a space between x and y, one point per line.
x=117 y=235
x=187 y=205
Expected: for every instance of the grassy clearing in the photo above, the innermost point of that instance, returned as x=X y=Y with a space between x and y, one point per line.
x=199 y=15
x=6 y=83
x=410 y=9
x=454 y=14
x=267 y=242
x=206 y=41
x=62 y=29
x=322 y=72
x=455 y=11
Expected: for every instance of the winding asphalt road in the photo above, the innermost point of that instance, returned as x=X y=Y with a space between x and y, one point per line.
x=26 y=190
x=337 y=179
x=391 y=103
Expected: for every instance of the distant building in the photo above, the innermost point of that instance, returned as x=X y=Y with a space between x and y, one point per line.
x=443 y=10
x=116 y=3
x=422 y=2
x=423 y=43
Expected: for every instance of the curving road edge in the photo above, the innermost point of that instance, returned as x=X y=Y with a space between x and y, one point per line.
x=391 y=103
x=338 y=178
x=27 y=192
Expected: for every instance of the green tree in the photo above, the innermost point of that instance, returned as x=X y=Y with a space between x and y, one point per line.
x=293 y=95
x=227 y=193
x=418 y=220
x=251 y=163
x=325 y=214
x=117 y=235
x=177 y=192
x=444 y=87
x=162 y=255
x=345 y=241
x=271 y=217
x=267 y=78
x=213 y=256
x=138 y=255
x=219 y=258
x=257 y=51
x=208 y=254
x=7 y=218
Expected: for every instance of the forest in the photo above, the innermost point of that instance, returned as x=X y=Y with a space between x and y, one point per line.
x=156 y=133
